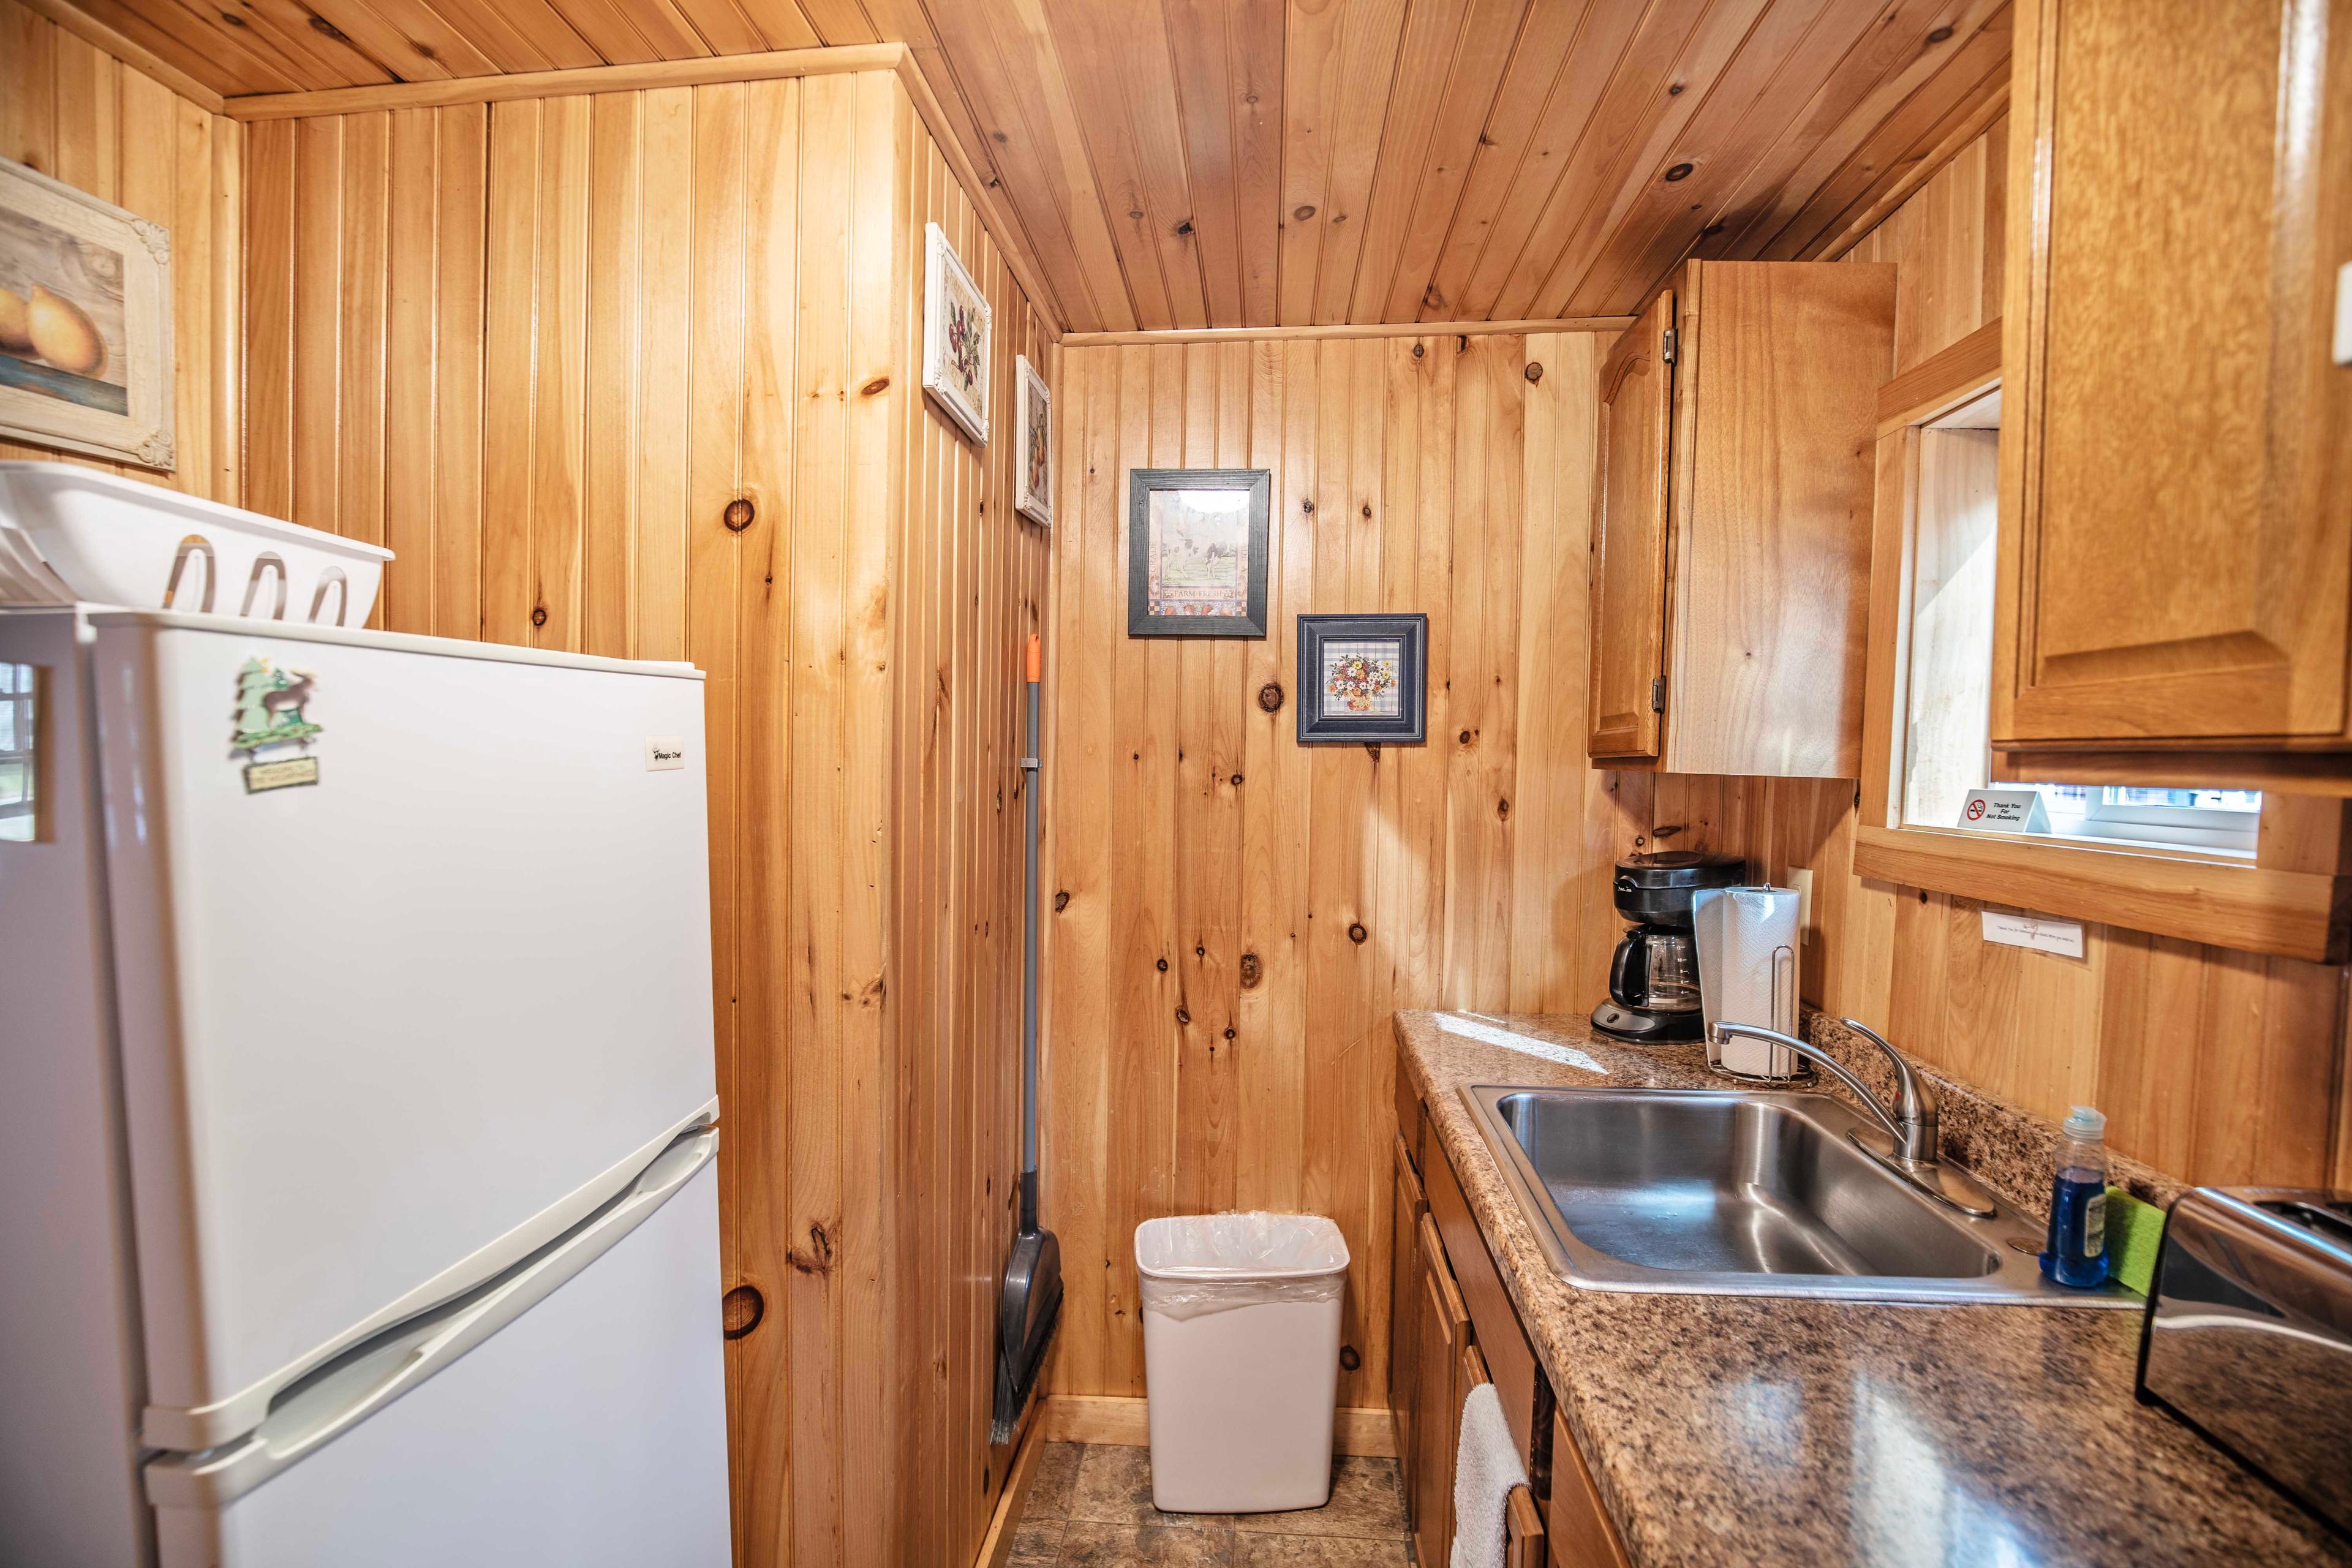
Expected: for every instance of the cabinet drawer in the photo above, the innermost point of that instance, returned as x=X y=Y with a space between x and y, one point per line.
x=1581 y=1535
x=1518 y=1381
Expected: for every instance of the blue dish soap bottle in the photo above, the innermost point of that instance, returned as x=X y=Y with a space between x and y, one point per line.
x=2078 y=1254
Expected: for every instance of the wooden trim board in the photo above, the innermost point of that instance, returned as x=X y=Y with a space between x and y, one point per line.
x=1919 y=173
x=573 y=82
x=2252 y=909
x=996 y=1546
x=128 y=50
x=1352 y=329
x=1123 y=1420
x=1942 y=382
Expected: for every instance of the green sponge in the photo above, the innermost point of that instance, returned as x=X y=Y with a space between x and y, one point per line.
x=2135 y=1232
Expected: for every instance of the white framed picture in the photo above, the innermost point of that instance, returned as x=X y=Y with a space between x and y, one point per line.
x=1033 y=447
x=85 y=323
x=956 y=337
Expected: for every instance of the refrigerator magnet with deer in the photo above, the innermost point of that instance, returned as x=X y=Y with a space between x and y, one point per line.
x=273 y=731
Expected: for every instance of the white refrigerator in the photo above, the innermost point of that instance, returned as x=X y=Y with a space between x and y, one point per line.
x=357 y=1103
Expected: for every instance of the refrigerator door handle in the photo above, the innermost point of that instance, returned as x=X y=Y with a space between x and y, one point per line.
x=370 y=1375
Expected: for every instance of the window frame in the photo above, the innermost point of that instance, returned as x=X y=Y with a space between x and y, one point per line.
x=2287 y=901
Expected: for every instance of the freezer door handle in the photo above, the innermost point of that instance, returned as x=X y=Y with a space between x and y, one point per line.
x=370 y=1375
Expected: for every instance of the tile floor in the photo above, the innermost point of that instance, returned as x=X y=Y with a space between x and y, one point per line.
x=1091 y=1507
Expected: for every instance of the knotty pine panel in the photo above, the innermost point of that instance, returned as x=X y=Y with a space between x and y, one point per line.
x=76 y=113
x=1218 y=1035
x=539 y=347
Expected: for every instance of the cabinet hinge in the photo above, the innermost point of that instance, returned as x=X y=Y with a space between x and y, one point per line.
x=1668 y=344
x=1657 y=694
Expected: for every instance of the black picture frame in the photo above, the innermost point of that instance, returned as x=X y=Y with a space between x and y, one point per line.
x=1142 y=484
x=1319 y=725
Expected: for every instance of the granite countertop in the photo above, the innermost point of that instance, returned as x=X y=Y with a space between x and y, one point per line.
x=1739 y=1430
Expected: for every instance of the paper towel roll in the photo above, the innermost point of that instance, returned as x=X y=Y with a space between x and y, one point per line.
x=1748 y=972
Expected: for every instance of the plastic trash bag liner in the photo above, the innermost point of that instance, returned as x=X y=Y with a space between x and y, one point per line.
x=1192 y=1265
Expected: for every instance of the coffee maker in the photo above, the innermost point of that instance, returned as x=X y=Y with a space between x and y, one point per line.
x=1654 y=992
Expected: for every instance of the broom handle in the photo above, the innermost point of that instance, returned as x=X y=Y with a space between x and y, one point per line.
x=1029 y=765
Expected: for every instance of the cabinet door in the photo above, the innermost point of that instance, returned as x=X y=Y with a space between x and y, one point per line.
x=1437 y=1401
x=1523 y=1532
x=1629 y=538
x=2175 y=542
x=1404 y=1309
x=1581 y=1535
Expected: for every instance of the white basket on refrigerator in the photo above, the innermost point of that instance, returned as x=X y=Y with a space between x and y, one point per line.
x=69 y=533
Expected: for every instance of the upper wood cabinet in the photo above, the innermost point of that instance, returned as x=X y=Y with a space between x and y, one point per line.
x=1629 y=536
x=1731 y=521
x=2176 y=508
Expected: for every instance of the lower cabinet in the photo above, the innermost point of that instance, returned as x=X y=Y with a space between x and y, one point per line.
x=1442 y=1334
x=1449 y=1320
x=1404 y=1300
x=1581 y=1535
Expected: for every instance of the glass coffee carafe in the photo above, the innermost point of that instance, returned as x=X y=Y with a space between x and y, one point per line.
x=1656 y=971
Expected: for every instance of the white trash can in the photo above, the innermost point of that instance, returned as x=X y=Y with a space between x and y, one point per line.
x=1241 y=1357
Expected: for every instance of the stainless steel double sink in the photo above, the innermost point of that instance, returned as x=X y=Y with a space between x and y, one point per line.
x=1708 y=1192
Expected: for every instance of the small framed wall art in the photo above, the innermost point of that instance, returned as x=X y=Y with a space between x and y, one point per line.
x=957 y=328
x=1363 y=678
x=85 y=323
x=1196 y=551
x=1032 y=445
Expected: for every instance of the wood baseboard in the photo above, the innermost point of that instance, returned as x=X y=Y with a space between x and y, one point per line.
x=1121 y=1419
x=996 y=1547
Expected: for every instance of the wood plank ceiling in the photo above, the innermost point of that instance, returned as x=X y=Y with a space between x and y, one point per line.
x=1256 y=162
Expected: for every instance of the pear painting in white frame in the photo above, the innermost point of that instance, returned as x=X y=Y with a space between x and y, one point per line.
x=957 y=330
x=85 y=323
x=1033 y=447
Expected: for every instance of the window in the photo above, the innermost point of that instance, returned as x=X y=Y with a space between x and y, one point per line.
x=1945 y=711
x=2173 y=856
x=2218 y=821
x=16 y=682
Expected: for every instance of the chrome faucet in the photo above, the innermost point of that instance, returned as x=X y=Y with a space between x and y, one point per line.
x=1911 y=1146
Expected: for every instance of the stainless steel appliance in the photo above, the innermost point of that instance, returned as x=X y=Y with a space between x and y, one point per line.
x=2249 y=1335
x=1654 y=984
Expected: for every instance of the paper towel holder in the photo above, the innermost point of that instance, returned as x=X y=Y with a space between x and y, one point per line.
x=1784 y=1016
x=1748 y=941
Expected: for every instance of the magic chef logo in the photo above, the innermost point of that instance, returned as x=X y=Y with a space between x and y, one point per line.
x=273 y=732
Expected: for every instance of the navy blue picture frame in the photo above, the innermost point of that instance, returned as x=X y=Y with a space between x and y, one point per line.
x=1320 y=726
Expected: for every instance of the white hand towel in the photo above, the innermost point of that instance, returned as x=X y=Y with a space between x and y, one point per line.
x=1486 y=1467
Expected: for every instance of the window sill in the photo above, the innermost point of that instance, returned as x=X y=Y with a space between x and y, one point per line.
x=2225 y=903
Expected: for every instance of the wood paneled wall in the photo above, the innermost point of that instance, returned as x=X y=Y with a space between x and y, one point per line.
x=77 y=114
x=537 y=347
x=2212 y=1065
x=1189 y=831
x=1236 y=917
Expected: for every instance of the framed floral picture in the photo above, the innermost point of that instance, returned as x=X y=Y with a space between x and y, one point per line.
x=1362 y=678
x=1033 y=458
x=956 y=337
x=1196 y=551
x=85 y=323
